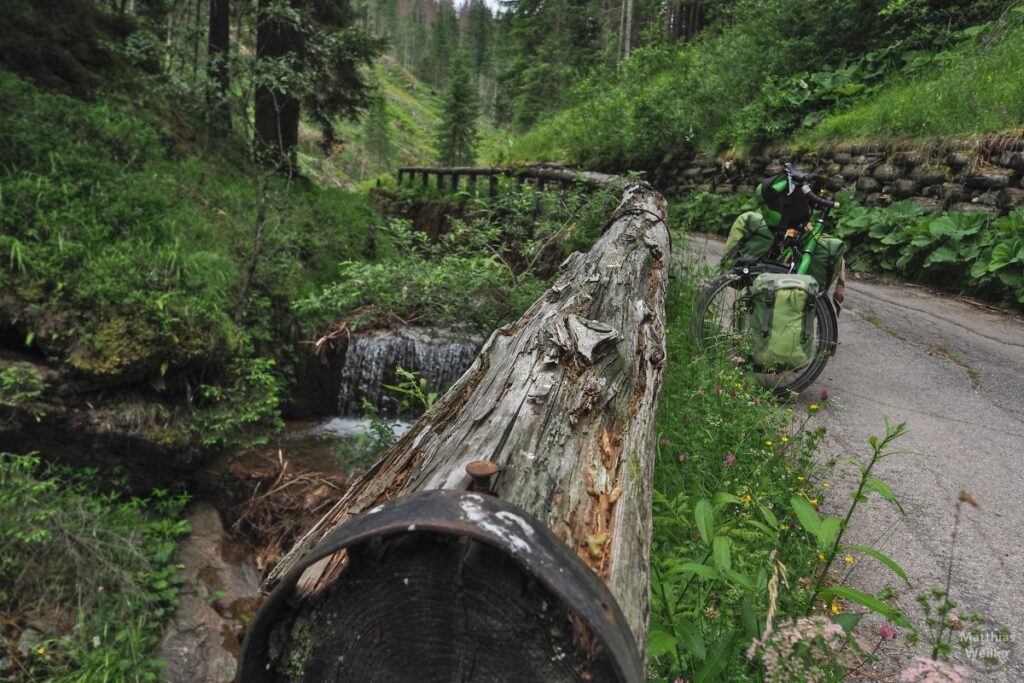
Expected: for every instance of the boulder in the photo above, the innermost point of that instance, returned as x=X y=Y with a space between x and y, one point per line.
x=953 y=192
x=928 y=204
x=878 y=199
x=904 y=187
x=969 y=206
x=868 y=185
x=1010 y=197
x=993 y=180
x=929 y=176
x=886 y=173
x=957 y=160
x=1014 y=160
x=218 y=599
x=853 y=171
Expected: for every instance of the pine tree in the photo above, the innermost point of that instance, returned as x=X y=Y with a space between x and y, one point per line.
x=377 y=133
x=457 y=138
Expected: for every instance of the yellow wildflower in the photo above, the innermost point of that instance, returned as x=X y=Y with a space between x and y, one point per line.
x=812 y=501
x=768 y=442
x=848 y=559
x=813 y=406
x=836 y=609
x=799 y=478
x=824 y=484
x=784 y=439
x=821 y=556
x=739 y=385
x=41 y=650
x=783 y=527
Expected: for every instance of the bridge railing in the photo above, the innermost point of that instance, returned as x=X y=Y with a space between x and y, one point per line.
x=450 y=178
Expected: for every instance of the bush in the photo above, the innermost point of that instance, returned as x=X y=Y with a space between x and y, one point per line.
x=100 y=560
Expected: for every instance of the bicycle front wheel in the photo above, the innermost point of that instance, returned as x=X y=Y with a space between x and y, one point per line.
x=718 y=323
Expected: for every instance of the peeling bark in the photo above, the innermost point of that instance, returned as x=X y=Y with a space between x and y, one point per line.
x=563 y=401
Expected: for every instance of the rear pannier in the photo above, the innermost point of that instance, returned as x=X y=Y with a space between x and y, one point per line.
x=779 y=322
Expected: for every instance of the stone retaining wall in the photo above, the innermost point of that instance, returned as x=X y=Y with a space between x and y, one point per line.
x=981 y=175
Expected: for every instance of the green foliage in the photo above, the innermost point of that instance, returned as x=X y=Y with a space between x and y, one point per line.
x=728 y=462
x=242 y=409
x=66 y=543
x=128 y=254
x=412 y=391
x=19 y=385
x=970 y=89
x=484 y=272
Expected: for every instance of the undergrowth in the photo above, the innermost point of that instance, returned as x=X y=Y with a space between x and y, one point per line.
x=87 y=582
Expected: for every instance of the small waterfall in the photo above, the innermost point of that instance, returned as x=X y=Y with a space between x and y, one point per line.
x=370 y=360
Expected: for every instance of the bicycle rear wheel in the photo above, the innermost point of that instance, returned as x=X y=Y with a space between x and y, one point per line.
x=717 y=327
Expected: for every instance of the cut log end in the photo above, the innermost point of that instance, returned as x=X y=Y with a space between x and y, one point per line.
x=427 y=607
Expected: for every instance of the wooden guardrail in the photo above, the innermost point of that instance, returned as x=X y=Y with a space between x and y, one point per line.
x=450 y=178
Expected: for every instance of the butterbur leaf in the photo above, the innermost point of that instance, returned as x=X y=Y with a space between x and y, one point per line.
x=884 y=559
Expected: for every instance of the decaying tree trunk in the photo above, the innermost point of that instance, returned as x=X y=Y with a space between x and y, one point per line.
x=563 y=401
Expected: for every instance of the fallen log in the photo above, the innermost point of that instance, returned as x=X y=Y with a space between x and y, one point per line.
x=563 y=403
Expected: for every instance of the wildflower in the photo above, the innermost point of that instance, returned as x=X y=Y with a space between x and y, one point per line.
x=768 y=442
x=739 y=385
x=799 y=477
x=799 y=650
x=710 y=612
x=729 y=459
x=40 y=650
x=700 y=392
x=683 y=455
x=813 y=407
x=812 y=501
x=836 y=607
x=719 y=389
x=932 y=671
x=687 y=417
x=732 y=393
x=664 y=441
x=821 y=556
x=783 y=527
x=886 y=632
x=738 y=360
x=824 y=394
x=824 y=484
x=784 y=439
x=848 y=559
x=746 y=499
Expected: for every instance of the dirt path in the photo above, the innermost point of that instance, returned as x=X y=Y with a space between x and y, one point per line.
x=955 y=373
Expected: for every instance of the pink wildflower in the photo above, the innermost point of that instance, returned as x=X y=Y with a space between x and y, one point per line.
x=719 y=389
x=732 y=393
x=932 y=671
x=824 y=394
x=683 y=455
x=700 y=392
x=664 y=441
x=729 y=459
x=802 y=650
x=886 y=632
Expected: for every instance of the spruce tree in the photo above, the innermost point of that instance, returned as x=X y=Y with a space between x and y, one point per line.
x=376 y=131
x=457 y=138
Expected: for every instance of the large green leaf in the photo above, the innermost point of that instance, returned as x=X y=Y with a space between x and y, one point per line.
x=806 y=513
x=704 y=516
x=869 y=601
x=660 y=643
x=882 y=489
x=691 y=639
x=720 y=655
x=1004 y=254
x=827 y=531
x=700 y=570
x=944 y=254
x=884 y=559
x=721 y=551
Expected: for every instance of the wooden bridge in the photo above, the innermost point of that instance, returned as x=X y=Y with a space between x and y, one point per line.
x=450 y=178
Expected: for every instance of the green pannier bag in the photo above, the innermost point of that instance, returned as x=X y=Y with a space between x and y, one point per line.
x=748 y=236
x=826 y=262
x=779 y=322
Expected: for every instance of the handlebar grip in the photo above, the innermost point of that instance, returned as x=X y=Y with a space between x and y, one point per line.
x=818 y=201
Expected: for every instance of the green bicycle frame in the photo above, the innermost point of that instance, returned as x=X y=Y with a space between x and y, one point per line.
x=810 y=243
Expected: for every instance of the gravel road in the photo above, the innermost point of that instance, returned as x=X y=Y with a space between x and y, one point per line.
x=954 y=371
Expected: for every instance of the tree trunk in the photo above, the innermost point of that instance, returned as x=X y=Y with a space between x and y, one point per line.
x=276 y=112
x=563 y=401
x=217 y=65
